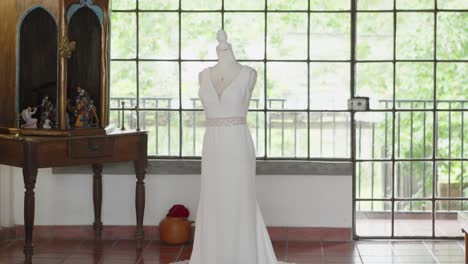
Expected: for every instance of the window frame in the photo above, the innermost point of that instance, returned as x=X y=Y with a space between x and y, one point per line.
x=265 y=111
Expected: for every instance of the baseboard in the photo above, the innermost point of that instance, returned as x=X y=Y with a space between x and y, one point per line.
x=72 y=232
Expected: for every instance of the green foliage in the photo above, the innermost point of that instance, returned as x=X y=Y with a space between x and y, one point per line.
x=201 y=4
x=452 y=35
x=123 y=36
x=244 y=5
x=415 y=4
x=158 y=4
x=123 y=4
x=374 y=4
x=287 y=5
x=415 y=36
x=330 y=5
x=287 y=36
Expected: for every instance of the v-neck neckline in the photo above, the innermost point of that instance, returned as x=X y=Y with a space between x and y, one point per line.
x=213 y=88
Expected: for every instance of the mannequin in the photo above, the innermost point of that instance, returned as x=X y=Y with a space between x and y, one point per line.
x=230 y=227
x=224 y=72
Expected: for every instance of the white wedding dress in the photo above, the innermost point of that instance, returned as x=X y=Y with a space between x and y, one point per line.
x=229 y=225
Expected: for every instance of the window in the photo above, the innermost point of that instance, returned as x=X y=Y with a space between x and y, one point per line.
x=410 y=149
x=301 y=52
x=409 y=152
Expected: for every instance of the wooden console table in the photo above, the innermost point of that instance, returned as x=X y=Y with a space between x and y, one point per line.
x=33 y=152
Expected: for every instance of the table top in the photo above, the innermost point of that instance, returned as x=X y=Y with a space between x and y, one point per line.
x=116 y=132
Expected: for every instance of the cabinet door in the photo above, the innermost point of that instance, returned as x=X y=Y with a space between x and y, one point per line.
x=84 y=70
x=38 y=65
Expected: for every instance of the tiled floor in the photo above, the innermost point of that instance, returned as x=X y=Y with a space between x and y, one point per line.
x=123 y=251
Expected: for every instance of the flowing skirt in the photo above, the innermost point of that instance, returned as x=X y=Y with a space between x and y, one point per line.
x=229 y=224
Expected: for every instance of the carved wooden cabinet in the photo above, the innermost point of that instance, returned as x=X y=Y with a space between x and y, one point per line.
x=55 y=61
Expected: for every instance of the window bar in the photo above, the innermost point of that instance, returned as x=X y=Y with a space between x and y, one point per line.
x=359 y=165
x=194 y=130
x=129 y=114
x=270 y=127
x=414 y=159
x=386 y=151
x=144 y=113
x=372 y=166
x=424 y=153
x=256 y=127
x=265 y=73
x=334 y=134
x=352 y=136
x=434 y=121
x=393 y=120
x=321 y=134
x=399 y=186
x=462 y=155
x=295 y=60
x=449 y=193
x=411 y=154
x=359 y=183
x=118 y=111
x=295 y=134
x=411 y=199
x=282 y=130
x=157 y=127
x=179 y=10
x=288 y=11
x=347 y=134
x=169 y=132
x=308 y=79
x=222 y=14
x=137 y=64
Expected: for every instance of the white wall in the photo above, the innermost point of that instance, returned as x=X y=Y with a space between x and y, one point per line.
x=311 y=201
x=6 y=196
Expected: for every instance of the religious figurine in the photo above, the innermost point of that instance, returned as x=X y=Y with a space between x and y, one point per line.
x=80 y=93
x=84 y=111
x=47 y=113
x=92 y=113
x=27 y=114
x=81 y=111
x=46 y=124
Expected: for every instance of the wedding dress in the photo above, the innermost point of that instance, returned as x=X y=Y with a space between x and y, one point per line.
x=229 y=225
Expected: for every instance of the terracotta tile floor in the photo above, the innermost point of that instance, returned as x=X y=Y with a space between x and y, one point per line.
x=300 y=252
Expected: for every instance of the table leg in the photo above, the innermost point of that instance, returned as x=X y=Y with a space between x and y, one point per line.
x=29 y=178
x=97 y=199
x=140 y=170
x=466 y=248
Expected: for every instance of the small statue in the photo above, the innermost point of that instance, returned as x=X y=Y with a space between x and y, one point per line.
x=84 y=111
x=47 y=112
x=80 y=94
x=81 y=110
x=46 y=124
x=27 y=114
x=92 y=114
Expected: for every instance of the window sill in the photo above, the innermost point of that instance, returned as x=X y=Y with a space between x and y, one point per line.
x=264 y=167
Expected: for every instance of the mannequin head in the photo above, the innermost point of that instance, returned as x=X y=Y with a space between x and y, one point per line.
x=224 y=49
x=221 y=36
